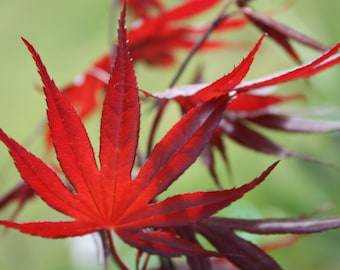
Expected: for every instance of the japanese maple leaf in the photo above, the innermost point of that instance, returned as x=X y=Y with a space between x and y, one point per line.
x=84 y=92
x=107 y=197
x=252 y=103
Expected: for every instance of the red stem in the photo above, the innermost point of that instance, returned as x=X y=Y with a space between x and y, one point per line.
x=115 y=255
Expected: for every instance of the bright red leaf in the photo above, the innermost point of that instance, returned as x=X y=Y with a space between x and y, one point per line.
x=107 y=197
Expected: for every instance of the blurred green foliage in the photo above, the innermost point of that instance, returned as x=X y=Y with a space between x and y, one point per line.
x=70 y=35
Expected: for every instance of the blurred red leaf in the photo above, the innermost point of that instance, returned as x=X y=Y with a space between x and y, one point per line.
x=21 y=194
x=280 y=33
x=143 y=8
x=245 y=255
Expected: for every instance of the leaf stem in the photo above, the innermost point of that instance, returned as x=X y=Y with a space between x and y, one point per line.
x=115 y=255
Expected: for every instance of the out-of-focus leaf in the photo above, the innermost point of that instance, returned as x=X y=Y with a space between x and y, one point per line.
x=21 y=194
x=143 y=8
x=252 y=139
x=281 y=33
x=281 y=226
x=295 y=124
x=241 y=253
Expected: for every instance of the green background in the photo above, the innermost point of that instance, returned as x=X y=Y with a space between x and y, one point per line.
x=70 y=35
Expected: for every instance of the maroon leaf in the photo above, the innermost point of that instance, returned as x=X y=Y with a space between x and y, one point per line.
x=281 y=226
x=220 y=232
x=281 y=33
x=162 y=243
x=195 y=262
x=252 y=139
x=240 y=252
x=294 y=124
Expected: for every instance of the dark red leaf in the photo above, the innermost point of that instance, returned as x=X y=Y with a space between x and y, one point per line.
x=162 y=243
x=294 y=124
x=194 y=262
x=281 y=33
x=21 y=193
x=241 y=253
x=208 y=159
x=252 y=139
x=281 y=226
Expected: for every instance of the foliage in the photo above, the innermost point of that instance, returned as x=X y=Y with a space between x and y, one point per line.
x=109 y=197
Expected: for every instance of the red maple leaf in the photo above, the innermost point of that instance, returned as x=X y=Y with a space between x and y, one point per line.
x=107 y=198
x=146 y=44
x=247 y=105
